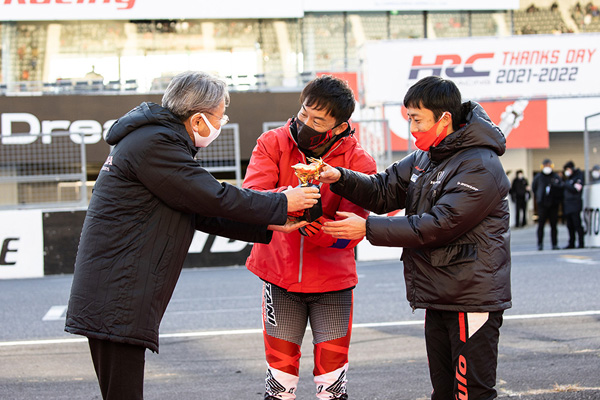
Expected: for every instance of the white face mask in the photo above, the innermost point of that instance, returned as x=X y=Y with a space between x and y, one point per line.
x=568 y=173
x=547 y=170
x=595 y=174
x=201 y=141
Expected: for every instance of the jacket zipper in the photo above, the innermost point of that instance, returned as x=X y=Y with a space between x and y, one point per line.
x=300 y=267
x=301 y=259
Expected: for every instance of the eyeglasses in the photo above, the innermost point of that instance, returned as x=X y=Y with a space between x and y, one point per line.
x=223 y=120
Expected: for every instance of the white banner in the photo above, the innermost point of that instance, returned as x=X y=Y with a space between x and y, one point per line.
x=21 y=244
x=409 y=5
x=61 y=10
x=532 y=66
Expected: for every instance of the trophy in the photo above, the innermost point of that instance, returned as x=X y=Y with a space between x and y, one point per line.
x=305 y=174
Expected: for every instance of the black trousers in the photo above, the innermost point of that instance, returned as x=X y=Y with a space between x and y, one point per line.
x=119 y=368
x=547 y=214
x=521 y=212
x=574 y=226
x=462 y=350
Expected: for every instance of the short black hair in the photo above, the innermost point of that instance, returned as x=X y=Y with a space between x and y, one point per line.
x=329 y=93
x=438 y=95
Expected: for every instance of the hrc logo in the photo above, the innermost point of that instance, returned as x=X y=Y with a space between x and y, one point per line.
x=451 y=64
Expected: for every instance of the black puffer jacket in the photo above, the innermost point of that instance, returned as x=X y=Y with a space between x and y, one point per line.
x=149 y=197
x=573 y=202
x=455 y=233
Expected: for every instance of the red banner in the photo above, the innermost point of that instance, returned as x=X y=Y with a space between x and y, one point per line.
x=524 y=123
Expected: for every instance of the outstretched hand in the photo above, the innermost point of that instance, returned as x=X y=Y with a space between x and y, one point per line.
x=329 y=174
x=301 y=198
x=351 y=227
x=290 y=226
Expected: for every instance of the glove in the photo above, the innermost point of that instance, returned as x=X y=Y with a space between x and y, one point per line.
x=312 y=228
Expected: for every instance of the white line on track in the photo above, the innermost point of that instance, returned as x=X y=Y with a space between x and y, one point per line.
x=256 y=331
x=55 y=313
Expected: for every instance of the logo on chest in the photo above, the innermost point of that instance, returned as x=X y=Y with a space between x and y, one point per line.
x=438 y=178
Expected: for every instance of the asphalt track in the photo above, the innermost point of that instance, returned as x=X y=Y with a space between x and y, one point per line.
x=211 y=346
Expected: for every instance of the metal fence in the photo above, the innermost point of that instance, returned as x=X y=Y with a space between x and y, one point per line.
x=49 y=170
x=375 y=137
x=223 y=155
x=43 y=171
x=591 y=138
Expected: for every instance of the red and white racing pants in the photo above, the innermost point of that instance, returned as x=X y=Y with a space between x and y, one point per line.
x=462 y=350
x=285 y=317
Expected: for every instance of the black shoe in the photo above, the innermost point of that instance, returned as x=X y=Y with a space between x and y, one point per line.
x=540 y=247
x=571 y=246
x=555 y=247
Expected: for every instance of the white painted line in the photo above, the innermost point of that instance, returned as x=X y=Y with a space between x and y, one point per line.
x=55 y=313
x=554 y=315
x=258 y=331
x=580 y=261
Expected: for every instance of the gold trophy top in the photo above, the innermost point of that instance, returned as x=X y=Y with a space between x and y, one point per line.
x=308 y=172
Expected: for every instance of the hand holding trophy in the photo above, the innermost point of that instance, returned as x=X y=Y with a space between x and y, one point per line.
x=305 y=174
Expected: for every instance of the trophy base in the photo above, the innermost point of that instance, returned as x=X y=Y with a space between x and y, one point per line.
x=313 y=213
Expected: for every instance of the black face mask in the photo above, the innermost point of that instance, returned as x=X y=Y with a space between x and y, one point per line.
x=310 y=139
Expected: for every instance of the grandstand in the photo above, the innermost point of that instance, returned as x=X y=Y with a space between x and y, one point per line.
x=121 y=62
x=53 y=56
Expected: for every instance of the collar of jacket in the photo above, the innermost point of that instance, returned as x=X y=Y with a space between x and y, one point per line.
x=478 y=131
x=337 y=146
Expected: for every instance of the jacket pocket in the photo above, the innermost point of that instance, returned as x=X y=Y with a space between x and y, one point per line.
x=453 y=254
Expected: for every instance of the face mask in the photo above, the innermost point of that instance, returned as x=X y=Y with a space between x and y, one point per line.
x=568 y=173
x=310 y=139
x=520 y=176
x=426 y=140
x=547 y=170
x=201 y=141
x=595 y=174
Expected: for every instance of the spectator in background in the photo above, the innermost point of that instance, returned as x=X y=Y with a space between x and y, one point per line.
x=548 y=191
x=573 y=203
x=595 y=173
x=520 y=194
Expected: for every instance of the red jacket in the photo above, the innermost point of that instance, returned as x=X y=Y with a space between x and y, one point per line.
x=294 y=262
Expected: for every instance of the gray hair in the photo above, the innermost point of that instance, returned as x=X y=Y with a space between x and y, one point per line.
x=191 y=92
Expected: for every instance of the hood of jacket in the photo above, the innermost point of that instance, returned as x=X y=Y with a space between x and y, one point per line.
x=145 y=114
x=478 y=131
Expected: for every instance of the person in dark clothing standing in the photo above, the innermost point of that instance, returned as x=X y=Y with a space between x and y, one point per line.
x=455 y=233
x=573 y=203
x=520 y=194
x=548 y=192
x=150 y=196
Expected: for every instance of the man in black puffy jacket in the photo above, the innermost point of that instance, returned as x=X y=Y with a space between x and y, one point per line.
x=455 y=233
x=149 y=197
x=548 y=191
x=573 y=203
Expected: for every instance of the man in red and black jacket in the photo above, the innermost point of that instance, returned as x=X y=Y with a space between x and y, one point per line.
x=308 y=275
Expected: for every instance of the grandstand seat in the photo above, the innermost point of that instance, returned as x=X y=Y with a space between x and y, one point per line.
x=113 y=85
x=130 y=85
